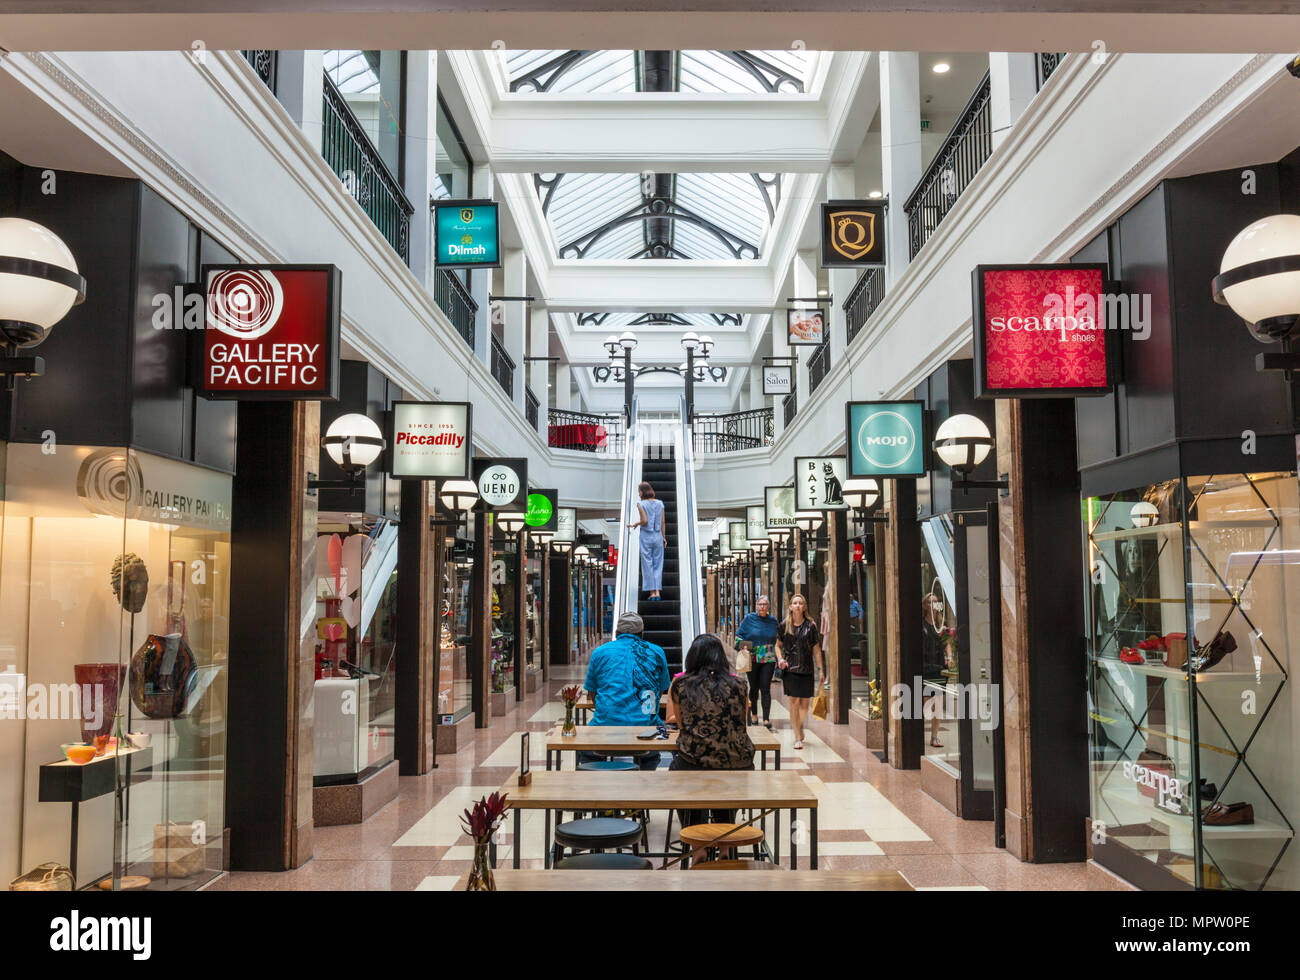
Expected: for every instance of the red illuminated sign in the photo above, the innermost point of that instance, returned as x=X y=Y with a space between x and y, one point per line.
x=1041 y=331
x=271 y=332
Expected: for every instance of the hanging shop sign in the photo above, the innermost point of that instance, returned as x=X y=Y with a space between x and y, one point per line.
x=612 y=555
x=819 y=483
x=756 y=523
x=886 y=439
x=502 y=483
x=778 y=506
x=736 y=534
x=431 y=440
x=566 y=525
x=805 y=328
x=853 y=234
x=1043 y=331
x=713 y=551
x=272 y=332
x=467 y=234
x=724 y=545
x=857 y=551
x=541 y=512
x=778 y=379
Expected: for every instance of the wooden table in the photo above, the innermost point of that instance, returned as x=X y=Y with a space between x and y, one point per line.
x=623 y=738
x=587 y=703
x=694 y=790
x=695 y=881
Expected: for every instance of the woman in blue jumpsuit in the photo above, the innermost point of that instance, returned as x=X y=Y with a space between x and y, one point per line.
x=654 y=538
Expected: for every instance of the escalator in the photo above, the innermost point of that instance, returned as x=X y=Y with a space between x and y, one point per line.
x=663 y=617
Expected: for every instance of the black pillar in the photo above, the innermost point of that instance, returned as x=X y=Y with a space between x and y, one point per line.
x=908 y=611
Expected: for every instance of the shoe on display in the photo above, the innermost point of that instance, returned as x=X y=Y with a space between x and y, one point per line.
x=1218 y=648
x=1132 y=655
x=1228 y=815
x=1208 y=791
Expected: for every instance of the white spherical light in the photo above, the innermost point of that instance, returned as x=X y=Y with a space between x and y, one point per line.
x=808 y=520
x=39 y=281
x=510 y=521
x=963 y=442
x=353 y=441
x=458 y=495
x=861 y=493
x=1144 y=514
x=1259 y=276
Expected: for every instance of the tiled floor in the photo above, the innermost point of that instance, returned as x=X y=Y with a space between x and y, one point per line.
x=870 y=817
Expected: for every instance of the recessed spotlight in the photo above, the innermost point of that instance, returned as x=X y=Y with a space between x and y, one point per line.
x=941 y=67
x=823 y=291
x=876 y=195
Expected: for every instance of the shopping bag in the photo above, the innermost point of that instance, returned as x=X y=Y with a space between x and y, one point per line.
x=819 y=706
x=744 y=662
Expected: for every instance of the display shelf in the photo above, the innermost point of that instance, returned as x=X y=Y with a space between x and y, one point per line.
x=1129 y=533
x=1174 y=673
x=67 y=782
x=1138 y=809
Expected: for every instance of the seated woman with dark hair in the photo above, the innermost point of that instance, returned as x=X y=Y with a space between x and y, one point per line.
x=712 y=707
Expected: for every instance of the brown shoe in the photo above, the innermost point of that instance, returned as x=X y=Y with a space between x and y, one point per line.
x=1228 y=815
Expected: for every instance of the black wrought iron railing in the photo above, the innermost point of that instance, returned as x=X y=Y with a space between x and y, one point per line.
x=351 y=155
x=264 y=63
x=1048 y=62
x=531 y=405
x=454 y=299
x=733 y=431
x=866 y=295
x=503 y=367
x=789 y=406
x=819 y=364
x=969 y=144
x=585 y=431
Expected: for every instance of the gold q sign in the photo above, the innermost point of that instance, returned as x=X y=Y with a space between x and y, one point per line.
x=853 y=233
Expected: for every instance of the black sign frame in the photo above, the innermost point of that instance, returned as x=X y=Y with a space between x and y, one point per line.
x=520 y=501
x=874 y=256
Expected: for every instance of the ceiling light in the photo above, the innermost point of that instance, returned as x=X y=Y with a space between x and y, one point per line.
x=823 y=291
x=876 y=195
x=941 y=67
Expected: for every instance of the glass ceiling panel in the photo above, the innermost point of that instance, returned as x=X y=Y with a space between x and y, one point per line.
x=353 y=72
x=583 y=202
x=701 y=72
x=731 y=201
x=600 y=72
x=617 y=322
x=712 y=72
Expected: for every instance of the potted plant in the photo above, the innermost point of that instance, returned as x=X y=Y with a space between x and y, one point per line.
x=569 y=695
x=481 y=823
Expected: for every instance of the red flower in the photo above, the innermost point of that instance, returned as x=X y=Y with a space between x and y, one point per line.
x=569 y=695
x=483 y=820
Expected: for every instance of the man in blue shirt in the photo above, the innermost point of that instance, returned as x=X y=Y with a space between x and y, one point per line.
x=625 y=678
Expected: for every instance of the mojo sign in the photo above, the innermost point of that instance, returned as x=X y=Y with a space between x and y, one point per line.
x=502 y=483
x=271 y=332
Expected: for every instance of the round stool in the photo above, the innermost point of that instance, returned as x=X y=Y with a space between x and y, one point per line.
x=703 y=835
x=738 y=865
x=595 y=834
x=607 y=765
x=605 y=862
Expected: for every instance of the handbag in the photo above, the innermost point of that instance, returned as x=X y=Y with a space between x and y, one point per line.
x=819 y=706
x=744 y=662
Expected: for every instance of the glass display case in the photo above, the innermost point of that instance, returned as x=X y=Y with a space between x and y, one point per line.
x=356 y=646
x=114 y=620
x=505 y=630
x=533 y=608
x=455 y=688
x=1193 y=590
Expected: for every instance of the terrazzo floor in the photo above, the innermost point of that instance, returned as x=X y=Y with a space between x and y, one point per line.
x=871 y=817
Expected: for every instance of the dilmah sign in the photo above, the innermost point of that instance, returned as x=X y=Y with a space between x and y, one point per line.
x=272 y=332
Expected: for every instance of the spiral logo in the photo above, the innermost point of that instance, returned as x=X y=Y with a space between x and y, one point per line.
x=111 y=482
x=244 y=303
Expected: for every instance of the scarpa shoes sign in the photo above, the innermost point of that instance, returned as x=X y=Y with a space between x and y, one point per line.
x=886 y=439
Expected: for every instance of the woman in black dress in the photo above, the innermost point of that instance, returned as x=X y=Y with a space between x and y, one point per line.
x=799 y=653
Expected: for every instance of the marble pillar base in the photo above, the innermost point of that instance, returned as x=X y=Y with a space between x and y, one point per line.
x=356 y=802
x=940 y=784
x=869 y=731
x=532 y=678
x=501 y=700
x=451 y=737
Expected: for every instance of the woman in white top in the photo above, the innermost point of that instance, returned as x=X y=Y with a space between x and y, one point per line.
x=653 y=540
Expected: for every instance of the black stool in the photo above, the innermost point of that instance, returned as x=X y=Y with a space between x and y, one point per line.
x=605 y=862
x=595 y=834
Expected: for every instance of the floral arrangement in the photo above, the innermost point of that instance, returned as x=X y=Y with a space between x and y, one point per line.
x=499 y=666
x=875 y=708
x=569 y=695
x=481 y=822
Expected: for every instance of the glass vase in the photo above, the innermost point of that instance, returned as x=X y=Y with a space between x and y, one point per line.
x=570 y=728
x=480 y=876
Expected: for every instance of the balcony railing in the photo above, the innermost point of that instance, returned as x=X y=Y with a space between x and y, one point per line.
x=789 y=406
x=531 y=405
x=503 y=368
x=1048 y=62
x=866 y=295
x=454 y=299
x=264 y=63
x=969 y=144
x=732 y=432
x=585 y=432
x=819 y=364
x=353 y=157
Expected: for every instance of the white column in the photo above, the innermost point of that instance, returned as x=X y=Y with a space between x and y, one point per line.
x=780 y=348
x=756 y=399
x=900 y=138
x=539 y=371
x=840 y=185
x=299 y=81
x=803 y=276
x=514 y=335
x=563 y=381
x=480 y=280
x=420 y=144
x=1013 y=81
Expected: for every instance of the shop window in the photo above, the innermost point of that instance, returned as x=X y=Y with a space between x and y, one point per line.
x=505 y=628
x=455 y=688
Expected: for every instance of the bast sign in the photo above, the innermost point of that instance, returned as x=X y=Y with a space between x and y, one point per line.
x=1042 y=330
x=271 y=332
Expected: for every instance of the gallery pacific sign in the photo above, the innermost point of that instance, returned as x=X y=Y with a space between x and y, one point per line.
x=819 y=483
x=853 y=234
x=805 y=328
x=778 y=379
x=778 y=508
x=431 y=440
x=886 y=439
x=541 y=513
x=1041 y=330
x=467 y=234
x=502 y=483
x=271 y=332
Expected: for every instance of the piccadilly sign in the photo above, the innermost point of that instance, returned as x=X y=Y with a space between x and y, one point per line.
x=1043 y=331
x=431 y=440
x=272 y=332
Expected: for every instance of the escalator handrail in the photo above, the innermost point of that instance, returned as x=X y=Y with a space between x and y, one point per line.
x=688 y=555
x=627 y=573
